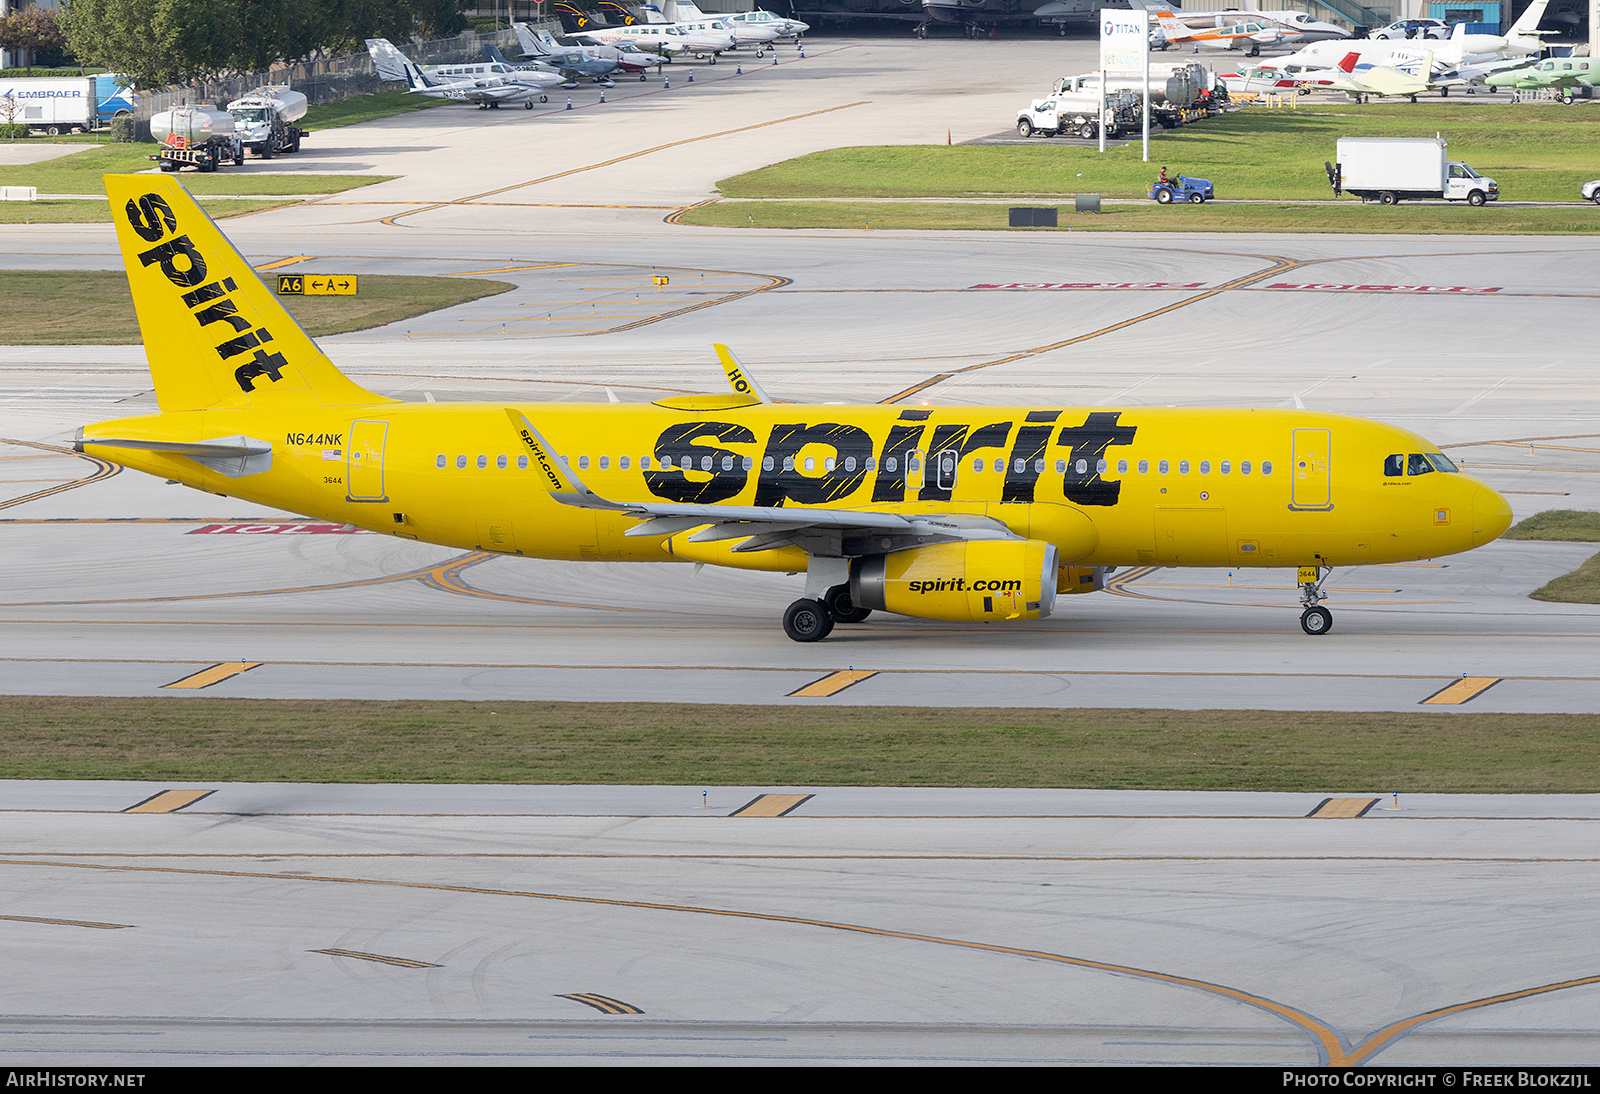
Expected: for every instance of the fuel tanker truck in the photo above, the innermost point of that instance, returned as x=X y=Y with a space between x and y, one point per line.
x=1174 y=90
x=265 y=119
x=195 y=136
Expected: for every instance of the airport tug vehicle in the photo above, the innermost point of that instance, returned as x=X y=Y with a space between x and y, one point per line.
x=1165 y=191
x=962 y=513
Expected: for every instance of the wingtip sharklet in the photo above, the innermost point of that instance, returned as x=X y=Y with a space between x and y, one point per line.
x=738 y=378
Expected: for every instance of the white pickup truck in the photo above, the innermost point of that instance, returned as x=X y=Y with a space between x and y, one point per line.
x=1077 y=115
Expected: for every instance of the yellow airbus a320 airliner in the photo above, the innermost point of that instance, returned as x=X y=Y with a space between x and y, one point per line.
x=962 y=513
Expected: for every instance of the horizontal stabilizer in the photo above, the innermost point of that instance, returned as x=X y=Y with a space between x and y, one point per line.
x=234 y=457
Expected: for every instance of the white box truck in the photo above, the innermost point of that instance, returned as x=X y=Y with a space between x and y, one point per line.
x=61 y=104
x=1394 y=169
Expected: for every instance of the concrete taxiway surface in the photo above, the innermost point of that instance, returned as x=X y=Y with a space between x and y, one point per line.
x=634 y=924
x=792 y=925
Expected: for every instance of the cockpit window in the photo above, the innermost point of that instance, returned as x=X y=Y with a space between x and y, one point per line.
x=1394 y=466
x=1441 y=462
x=1417 y=464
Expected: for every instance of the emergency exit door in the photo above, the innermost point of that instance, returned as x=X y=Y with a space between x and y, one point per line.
x=1311 y=473
x=363 y=475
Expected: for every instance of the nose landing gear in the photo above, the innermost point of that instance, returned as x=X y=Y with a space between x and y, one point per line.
x=1315 y=619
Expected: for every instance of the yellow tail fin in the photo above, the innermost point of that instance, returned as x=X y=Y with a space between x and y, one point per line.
x=214 y=334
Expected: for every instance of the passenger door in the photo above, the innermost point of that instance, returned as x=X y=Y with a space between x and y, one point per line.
x=364 y=461
x=1311 y=474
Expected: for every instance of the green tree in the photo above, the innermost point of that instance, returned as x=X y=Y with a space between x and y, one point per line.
x=180 y=41
x=33 y=32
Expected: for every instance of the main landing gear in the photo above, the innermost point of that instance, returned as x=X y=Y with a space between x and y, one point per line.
x=1315 y=619
x=813 y=620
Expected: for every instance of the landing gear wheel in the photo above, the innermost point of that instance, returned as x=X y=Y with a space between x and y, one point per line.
x=840 y=606
x=807 y=621
x=528 y=105
x=713 y=59
x=1316 y=621
x=546 y=98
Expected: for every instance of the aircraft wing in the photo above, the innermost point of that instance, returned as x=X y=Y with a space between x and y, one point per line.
x=828 y=532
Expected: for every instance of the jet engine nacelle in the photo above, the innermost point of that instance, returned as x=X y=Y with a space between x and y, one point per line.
x=974 y=580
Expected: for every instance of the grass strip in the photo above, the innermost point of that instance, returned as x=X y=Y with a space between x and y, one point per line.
x=1558 y=524
x=102 y=313
x=80 y=173
x=1536 y=153
x=1351 y=219
x=96 y=211
x=1581 y=586
x=366 y=108
x=201 y=739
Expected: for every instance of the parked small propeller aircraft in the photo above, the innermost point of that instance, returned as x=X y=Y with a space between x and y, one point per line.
x=484 y=85
x=1563 y=73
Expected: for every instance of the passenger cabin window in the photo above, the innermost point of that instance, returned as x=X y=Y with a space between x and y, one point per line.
x=500 y=462
x=440 y=461
x=483 y=461
x=1394 y=466
x=461 y=461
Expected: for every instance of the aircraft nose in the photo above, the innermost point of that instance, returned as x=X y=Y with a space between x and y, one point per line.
x=1491 y=515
